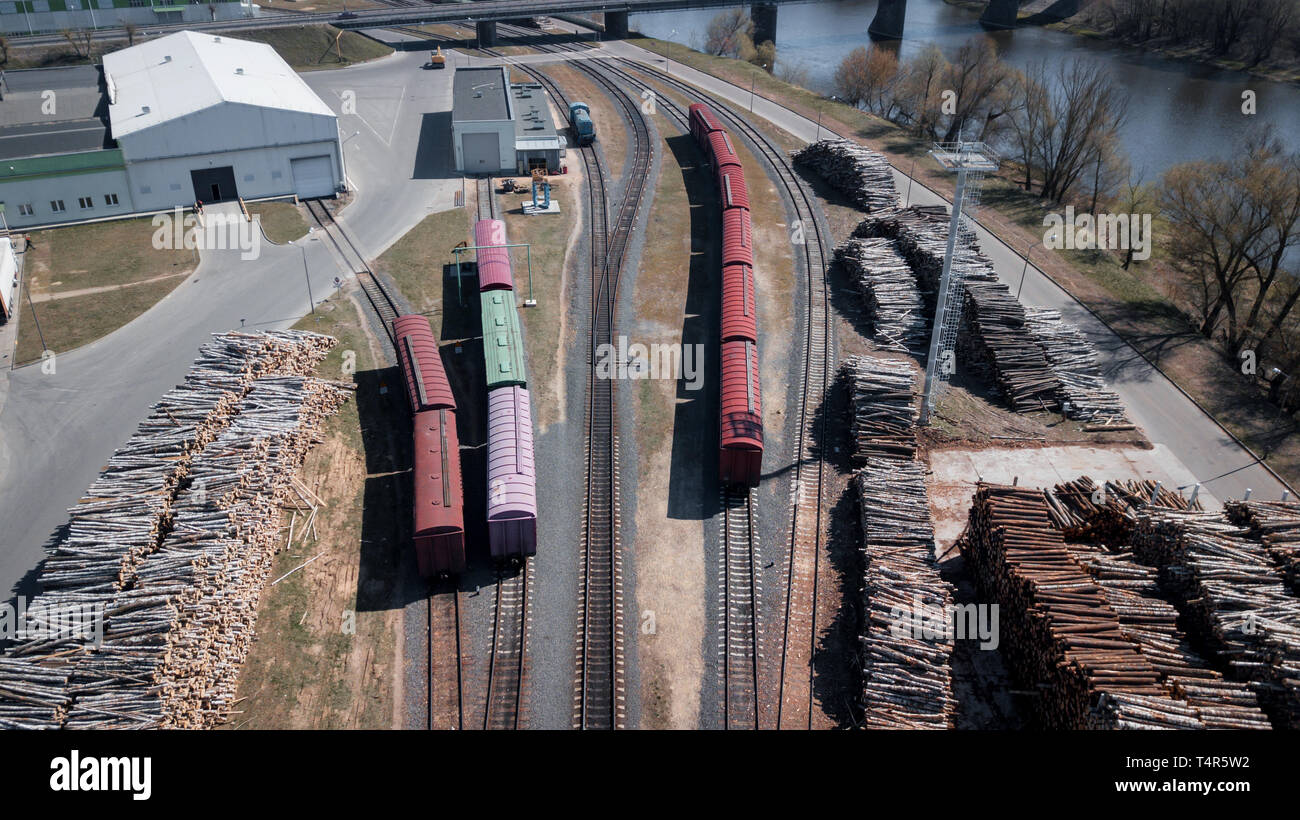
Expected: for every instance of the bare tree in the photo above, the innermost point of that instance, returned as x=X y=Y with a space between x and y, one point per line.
x=974 y=76
x=852 y=76
x=728 y=32
x=1086 y=110
x=919 y=89
x=130 y=29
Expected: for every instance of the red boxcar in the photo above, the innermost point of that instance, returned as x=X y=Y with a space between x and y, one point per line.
x=439 y=505
x=417 y=352
x=740 y=457
x=721 y=153
x=737 y=238
x=732 y=189
x=703 y=123
x=739 y=320
x=493 y=262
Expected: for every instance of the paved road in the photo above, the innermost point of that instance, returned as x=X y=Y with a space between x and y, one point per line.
x=57 y=430
x=1225 y=469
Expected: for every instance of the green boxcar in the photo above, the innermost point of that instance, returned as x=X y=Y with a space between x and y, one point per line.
x=503 y=341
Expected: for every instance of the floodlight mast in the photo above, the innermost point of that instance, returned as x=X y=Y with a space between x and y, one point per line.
x=961 y=157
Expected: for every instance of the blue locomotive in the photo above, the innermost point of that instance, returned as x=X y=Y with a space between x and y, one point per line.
x=580 y=118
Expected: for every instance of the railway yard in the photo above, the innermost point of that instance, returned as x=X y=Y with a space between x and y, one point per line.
x=522 y=523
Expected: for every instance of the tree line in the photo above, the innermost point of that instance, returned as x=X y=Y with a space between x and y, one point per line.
x=1252 y=31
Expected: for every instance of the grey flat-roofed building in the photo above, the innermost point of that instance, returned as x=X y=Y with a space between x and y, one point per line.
x=46 y=111
x=482 y=121
x=537 y=144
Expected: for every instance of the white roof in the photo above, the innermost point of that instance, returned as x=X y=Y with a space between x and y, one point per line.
x=203 y=70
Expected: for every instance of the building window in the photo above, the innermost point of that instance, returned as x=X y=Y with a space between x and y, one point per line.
x=40 y=5
x=8 y=8
x=26 y=210
x=72 y=5
x=175 y=186
x=276 y=175
x=136 y=4
x=56 y=205
x=86 y=202
x=146 y=189
x=110 y=199
x=248 y=177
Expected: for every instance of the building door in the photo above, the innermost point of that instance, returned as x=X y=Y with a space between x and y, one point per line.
x=482 y=153
x=313 y=176
x=214 y=184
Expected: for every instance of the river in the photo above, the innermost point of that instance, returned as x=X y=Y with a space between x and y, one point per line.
x=1179 y=110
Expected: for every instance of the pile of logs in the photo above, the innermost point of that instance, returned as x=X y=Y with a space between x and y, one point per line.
x=1233 y=600
x=1082 y=389
x=921 y=237
x=862 y=175
x=888 y=288
x=1151 y=623
x=1059 y=635
x=885 y=410
x=1276 y=524
x=907 y=678
x=173 y=540
x=994 y=337
x=1086 y=511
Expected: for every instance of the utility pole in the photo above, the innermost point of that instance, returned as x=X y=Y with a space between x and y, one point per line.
x=971 y=161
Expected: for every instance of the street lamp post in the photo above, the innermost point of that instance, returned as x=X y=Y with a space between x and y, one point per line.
x=306 y=275
x=1025 y=268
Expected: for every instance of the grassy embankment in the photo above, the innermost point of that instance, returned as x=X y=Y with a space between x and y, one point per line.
x=81 y=293
x=1134 y=302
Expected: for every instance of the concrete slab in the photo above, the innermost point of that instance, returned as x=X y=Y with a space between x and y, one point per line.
x=954 y=474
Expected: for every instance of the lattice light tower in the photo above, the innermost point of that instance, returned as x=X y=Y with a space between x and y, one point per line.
x=971 y=161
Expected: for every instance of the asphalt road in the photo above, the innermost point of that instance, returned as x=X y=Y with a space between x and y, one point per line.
x=1169 y=417
x=58 y=429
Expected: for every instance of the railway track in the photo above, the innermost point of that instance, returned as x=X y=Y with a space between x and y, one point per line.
x=487 y=202
x=789 y=703
x=446 y=680
x=508 y=667
x=739 y=624
x=380 y=299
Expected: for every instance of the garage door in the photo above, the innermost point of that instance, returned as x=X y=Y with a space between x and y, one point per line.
x=482 y=153
x=313 y=176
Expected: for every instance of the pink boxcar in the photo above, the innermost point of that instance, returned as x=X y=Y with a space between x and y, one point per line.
x=493 y=262
x=417 y=351
x=512 y=477
x=439 y=511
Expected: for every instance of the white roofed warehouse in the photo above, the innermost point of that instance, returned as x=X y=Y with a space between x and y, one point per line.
x=210 y=118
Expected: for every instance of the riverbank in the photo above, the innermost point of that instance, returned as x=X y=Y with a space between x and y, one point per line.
x=1289 y=74
x=1126 y=300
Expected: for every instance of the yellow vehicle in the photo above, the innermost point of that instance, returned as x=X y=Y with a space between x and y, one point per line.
x=436 y=60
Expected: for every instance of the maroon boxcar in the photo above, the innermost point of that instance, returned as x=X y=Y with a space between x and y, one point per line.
x=737 y=238
x=740 y=457
x=732 y=189
x=439 y=532
x=703 y=122
x=493 y=262
x=739 y=319
x=417 y=351
x=721 y=152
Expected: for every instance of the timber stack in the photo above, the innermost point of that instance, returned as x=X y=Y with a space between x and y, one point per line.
x=1106 y=513
x=888 y=288
x=172 y=542
x=1233 y=599
x=906 y=667
x=921 y=237
x=1151 y=623
x=1060 y=636
x=885 y=411
x=994 y=338
x=862 y=175
x=1275 y=524
x=1082 y=389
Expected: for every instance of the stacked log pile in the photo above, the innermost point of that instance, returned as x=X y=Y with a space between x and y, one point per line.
x=995 y=339
x=1276 y=524
x=1233 y=600
x=1059 y=634
x=207 y=468
x=1085 y=510
x=862 y=175
x=921 y=237
x=888 y=288
x=1082 y=389
x=885 y=412
x=1151 y=623
x=907 y=677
